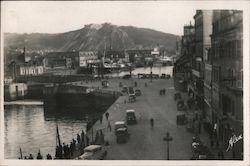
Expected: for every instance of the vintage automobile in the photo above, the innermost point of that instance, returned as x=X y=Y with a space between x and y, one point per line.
x=125 y=89
x=120 y=124
x=127 y=76
x=137 y=92
x=130 y=117
x=122 y=135
x=131 y=98
x=93 y=152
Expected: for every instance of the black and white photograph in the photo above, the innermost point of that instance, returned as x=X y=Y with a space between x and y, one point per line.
x=129 y=82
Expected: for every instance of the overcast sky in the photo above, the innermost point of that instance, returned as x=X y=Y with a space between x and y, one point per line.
x=56 y=17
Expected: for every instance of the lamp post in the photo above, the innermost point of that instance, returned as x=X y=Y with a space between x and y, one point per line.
x=168 y=138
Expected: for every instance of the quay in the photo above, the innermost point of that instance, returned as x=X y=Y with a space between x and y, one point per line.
x=147 y=143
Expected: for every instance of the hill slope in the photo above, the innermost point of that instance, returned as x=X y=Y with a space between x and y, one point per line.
x=94 y=37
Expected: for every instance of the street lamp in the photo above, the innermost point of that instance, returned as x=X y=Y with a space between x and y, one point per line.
x=168 y=138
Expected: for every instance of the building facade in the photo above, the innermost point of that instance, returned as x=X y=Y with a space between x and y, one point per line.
x=182 y=67
x=87 y=57
x=227 y=77
x=61 y=59
x=203 y=30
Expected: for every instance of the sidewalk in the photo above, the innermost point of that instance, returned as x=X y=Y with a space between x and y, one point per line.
x=204 y=136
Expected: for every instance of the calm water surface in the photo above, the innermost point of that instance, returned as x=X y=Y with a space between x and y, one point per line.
x=28 y=128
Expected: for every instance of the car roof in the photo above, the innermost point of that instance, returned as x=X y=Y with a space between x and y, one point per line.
x=92 y=147
x=119 y=122
x=130 y=110
x=121 y=129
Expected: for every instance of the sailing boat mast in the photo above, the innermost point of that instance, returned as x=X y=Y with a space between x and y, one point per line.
x=58 y=137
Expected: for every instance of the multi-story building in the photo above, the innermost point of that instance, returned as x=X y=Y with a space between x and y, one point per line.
x=183 y=64
x=203 y=29
x=227 y=77
x=30 y=69
x=87 y=57
x=61 y=59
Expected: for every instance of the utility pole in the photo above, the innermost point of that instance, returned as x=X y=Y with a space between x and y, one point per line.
x=168 y=138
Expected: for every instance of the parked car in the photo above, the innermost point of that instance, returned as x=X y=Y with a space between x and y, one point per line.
x=122 y=135
x=130 y=117
x=155 y=76
x=137 y=92
x=163 y=75
x=127 y=76
x=125 y=89
x=93 y=152
x=168 y=76
x=131 y=98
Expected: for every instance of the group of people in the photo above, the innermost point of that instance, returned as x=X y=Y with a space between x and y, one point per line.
x=162 y=91
x=39 y=157
x=66 y=151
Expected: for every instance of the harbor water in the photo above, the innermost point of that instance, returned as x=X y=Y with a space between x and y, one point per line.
x=29 y=128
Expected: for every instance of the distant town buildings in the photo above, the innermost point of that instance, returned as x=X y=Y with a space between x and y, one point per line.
x=88 y=57
x=210 y=69
x=61 y=59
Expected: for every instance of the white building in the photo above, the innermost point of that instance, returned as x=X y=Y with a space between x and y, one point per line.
x=30 y=70
x=87 y=57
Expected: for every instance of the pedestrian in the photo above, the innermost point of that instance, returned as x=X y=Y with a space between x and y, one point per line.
x=152 y=122
x=71 y=148
x=78 y=138
x=135 y=84
x=73 y=145
x=39 y=156
x=49 y=157
x=109 y=126
x=107 y=115
x=68 y=152
x=83 y=139
x=31 y=157
x=57 y=152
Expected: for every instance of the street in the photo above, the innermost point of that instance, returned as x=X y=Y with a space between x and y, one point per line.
x=147 y=143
